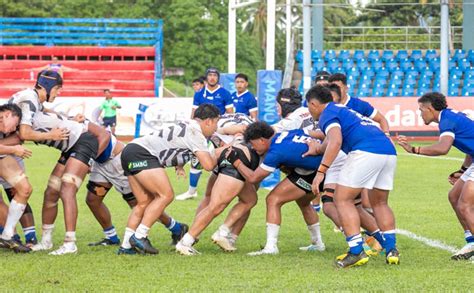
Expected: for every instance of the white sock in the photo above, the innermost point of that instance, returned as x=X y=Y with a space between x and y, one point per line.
x=70 y=236
x=224 y=231
x=315 y=233
x=14 y=214
x=233 y=238
x=192 y=190
x=126 y=238
x=47 y=234
x=187 y=240
x=272 y=235
x=142 y=231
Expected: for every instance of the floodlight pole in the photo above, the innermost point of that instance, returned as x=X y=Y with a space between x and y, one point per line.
x=444 y=47
x=270 y=56
x=288 y=28
x=306 y=45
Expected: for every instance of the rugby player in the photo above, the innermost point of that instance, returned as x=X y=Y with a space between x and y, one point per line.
x=456 y=129
x=244 y=101
x=370 y=164
x=144 y=161
x=12 y=172
x=216 y=95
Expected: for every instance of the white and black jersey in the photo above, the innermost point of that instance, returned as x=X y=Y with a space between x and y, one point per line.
x=234 y=119
x=174 y=145
x=45 y=122
x=298 y=119
x=29 y=104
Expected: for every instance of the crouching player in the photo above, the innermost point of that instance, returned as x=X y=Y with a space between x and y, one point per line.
x=371 y=163
x=456 y=129
x=144 y=161
x=283 y=149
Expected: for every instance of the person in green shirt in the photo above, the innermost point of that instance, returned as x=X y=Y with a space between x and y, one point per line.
x=109 y=106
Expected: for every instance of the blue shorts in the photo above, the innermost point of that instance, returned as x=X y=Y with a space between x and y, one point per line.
x=110 y=121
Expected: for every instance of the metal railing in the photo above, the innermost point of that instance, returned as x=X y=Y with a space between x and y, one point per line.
x=381 y=38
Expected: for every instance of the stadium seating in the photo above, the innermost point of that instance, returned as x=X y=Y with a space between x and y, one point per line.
x=404 y=73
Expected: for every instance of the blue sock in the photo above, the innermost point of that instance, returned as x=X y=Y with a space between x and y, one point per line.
x=30 y=234
x=317 y=207
x=111 y=234
x=194 y=175
x=468 y=236
x=17 y=238
x=1 y=229
x=377 y=235
x=390 y=240
x=355 y=243
x=174 y=227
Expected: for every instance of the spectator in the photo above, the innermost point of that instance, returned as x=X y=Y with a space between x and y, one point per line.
x=198 y=84
x=109 y=106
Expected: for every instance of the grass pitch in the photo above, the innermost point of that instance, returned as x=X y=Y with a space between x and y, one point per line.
x=419 y=201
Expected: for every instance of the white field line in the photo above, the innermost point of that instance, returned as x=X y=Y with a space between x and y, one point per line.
x=435 y=158
x=427 y=241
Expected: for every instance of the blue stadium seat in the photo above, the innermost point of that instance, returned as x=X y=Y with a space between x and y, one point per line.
x=470 y=55
x=468 y=78
x=416 y=54
x=339 y=70
x=464 y=64
x=364 y=90
x=318 y=64
x=393 y=92
x=382 y=72
x=452 y=63
x=330 y=54
x=378 y=92
x=376 y=63
x=430 y=55
x=365 y=81
x=412 y=71
x=332 y=64
x=402 y=54
x=453 y=91
x=353 y=72
x=405 y=64
x=369 y=71
x=391 y=64
x=436 y=87
x=409 y=80
x=347 y=64
x=299 y=56
x=454 y=82
x=422 y=84
x=408 y=91
x=344 y=54
x=420 y=64
x=373 y=54
x=427 y=72
x=398 y=72
x=459 y=54
x=455 y=73
x=358 y=55
x=395 y=81
x=468 y=90
x=350 y=90
x=434 y=64
x=423 y=90
x=362 y=63
x=351 y=80
x=316 y=54
x=380 y=82
x=387 y=55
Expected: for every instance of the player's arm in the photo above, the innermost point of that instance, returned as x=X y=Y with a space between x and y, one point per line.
x=317 y=134
x=117 y=105
x=453 y=177
x=12 y=139
x=208 y=161
x=229 y=109
x=232 y=129
x=442 y=147
x=251 y=176
x=229 y=104
x=253 y=108
x=382 y=121
x=253 y=114
x=11 y=145
x=27 y=133
x=103 y=136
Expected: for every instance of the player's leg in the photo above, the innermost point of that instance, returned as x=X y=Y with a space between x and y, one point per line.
x=27 y=221
x=96 y=192
x=466 y=209
x=3 y=214
x=207 y=196
x=12 y=172
x=312 y=222
x=195 y=172
x=176 y=228
x=329 y=208
x=284 y=192
x=156 y=182
x=225 y=189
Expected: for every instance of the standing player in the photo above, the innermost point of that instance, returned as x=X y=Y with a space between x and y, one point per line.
x=283 y=149
x=321 y=78
x=11 y=171
x=144 y=161
x=244 y=101
x=109 y=106
x=371 y=162
x=198 y=84
x=456 y=129
x=218 y=96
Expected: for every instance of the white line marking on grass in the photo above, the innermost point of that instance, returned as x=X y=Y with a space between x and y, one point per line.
x=427 y=241
x=435 y=158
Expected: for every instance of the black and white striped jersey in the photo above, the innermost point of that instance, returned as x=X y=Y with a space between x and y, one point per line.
x=234 y=119
x=45 y=122
x=29 y=104
x=298 y=119
x=174 y=145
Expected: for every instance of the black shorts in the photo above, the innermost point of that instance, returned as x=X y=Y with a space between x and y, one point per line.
x=226 y=168
x=109 y=121
x=85 y=150
x=136 y=158
x=304 y=182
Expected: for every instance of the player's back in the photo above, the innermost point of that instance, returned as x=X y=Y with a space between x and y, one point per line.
x=461 y=127
x=298 y=119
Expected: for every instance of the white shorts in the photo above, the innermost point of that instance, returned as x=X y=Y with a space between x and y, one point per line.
x=468 y=175
x=111 y=172
x=368 y=170
x=332 y=174
x=4 y=183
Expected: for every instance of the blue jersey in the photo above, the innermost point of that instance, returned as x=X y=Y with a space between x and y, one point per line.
x=286 y=149
x=460 y=127
x=361 y=107
x=358 y=132
x=220 y=98
x=244 y=103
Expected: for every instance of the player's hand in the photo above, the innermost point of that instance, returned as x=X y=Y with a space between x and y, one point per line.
x=314 y=148
x=21 y=152
x=233 y=157
x=180 y=173
x=453 y=177
x=59 y=134
x=316 y=182
x=113 y=107
x=403 y=142
x=79 y=118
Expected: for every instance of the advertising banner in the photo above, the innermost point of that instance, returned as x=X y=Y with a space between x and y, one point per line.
x=227 y=81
